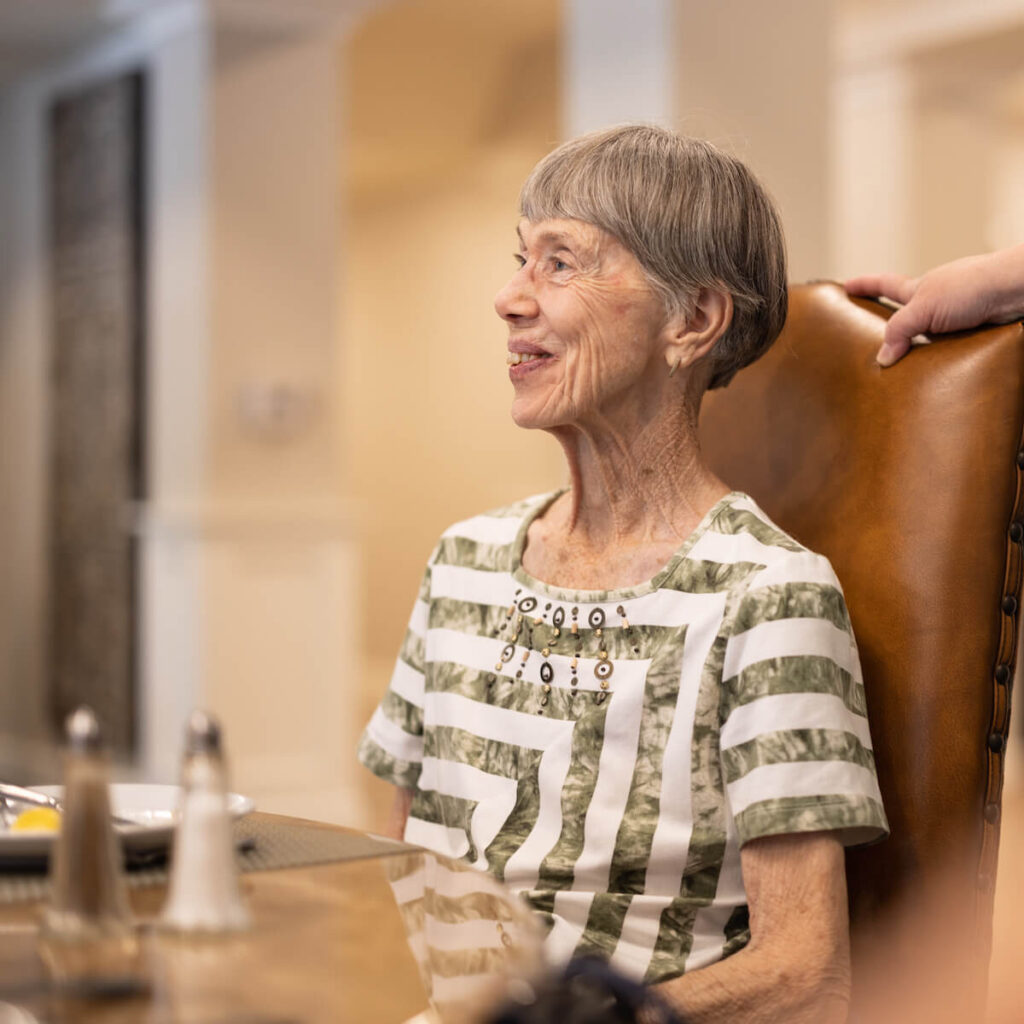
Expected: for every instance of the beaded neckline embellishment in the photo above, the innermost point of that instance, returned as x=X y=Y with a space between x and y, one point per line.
x=524 y=632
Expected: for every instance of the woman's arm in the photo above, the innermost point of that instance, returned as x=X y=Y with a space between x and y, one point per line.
x=399 y=813
x=796 y=967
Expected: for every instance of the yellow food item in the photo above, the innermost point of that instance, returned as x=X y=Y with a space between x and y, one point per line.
x=37 y=819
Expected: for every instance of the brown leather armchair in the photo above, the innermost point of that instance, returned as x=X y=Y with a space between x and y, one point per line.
x=910 y=480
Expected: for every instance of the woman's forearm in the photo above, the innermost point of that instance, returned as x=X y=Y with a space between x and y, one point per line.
x=399 y=814
x=755 y=986
x=797 y=966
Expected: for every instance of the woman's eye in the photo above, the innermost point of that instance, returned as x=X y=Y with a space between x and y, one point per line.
x=559 y=265
x=520 y=259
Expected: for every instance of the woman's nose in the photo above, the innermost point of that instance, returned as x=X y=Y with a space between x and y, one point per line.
x=516 y=302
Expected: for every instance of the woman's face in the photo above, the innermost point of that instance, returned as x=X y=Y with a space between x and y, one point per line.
x=586 y=331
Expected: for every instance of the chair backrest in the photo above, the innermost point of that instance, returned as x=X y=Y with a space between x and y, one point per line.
x=910 y=481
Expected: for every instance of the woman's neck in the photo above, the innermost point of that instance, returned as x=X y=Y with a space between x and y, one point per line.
x=637 y=492
x=656 y=487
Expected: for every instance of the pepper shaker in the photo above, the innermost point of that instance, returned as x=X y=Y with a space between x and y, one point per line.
x=87 y=925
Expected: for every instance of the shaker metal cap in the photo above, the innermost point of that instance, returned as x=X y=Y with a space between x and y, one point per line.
x=83 y=730
x=202 y=734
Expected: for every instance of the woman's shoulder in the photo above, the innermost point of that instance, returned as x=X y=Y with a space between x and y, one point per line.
x=763 y=573
x=501 y=524
x=743 y=536
x=486 y=540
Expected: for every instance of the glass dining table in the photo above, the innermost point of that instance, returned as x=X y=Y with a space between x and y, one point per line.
x=346 y=927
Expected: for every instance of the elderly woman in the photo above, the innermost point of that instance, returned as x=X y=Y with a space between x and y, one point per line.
x=636 y=700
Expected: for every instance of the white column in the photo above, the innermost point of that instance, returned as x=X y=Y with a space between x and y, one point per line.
x=617 y=63
x=171 y=605
x=24 y=370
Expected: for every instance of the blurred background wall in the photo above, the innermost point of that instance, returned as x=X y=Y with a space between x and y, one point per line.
x=329 y=207
x=450 y=103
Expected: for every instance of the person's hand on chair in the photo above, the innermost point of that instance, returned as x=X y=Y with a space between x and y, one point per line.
x=955 y=296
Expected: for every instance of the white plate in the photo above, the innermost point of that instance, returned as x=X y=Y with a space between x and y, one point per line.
x=152 y=807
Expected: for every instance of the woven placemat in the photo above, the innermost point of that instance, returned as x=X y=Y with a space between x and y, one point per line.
x=264 y=844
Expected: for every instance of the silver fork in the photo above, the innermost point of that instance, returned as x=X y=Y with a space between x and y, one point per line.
x=10 y=793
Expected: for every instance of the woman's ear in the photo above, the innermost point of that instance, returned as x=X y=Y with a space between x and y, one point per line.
x=692 y=337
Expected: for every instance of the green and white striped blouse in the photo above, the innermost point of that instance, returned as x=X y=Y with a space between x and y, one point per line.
x=607 y=753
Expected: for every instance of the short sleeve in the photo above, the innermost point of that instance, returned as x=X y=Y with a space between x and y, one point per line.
x=795 y=744
x=392 y=743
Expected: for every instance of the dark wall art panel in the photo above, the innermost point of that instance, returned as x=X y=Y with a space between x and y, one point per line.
x=96 y=399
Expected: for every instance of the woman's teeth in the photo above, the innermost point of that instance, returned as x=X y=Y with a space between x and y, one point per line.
x=515 y=358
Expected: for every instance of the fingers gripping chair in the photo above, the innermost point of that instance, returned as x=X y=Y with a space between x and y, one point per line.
x=910 y=480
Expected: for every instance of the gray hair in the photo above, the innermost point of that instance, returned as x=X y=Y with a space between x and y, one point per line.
x=693 y=216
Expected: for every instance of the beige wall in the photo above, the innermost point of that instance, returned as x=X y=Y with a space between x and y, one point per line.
x=270 y=545
x=966 y=109
x=449 y=108
x=275 y=241
x=753 y=77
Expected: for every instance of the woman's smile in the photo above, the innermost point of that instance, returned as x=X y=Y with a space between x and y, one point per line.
x=521 y=363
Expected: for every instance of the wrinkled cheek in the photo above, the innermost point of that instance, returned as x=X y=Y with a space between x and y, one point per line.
x=592 y=378
x=586 y=392
x=562 y=403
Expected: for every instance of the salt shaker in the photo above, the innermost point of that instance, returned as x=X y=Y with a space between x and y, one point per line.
x=204 y=893
x=87 y=925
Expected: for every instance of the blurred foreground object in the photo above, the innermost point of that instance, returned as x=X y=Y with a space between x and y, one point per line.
x=476 y=944
x=588 y=991
x=204 y=890
x=922 y=995
x=87 y=926
x=911 y=482
x=11 y=1014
